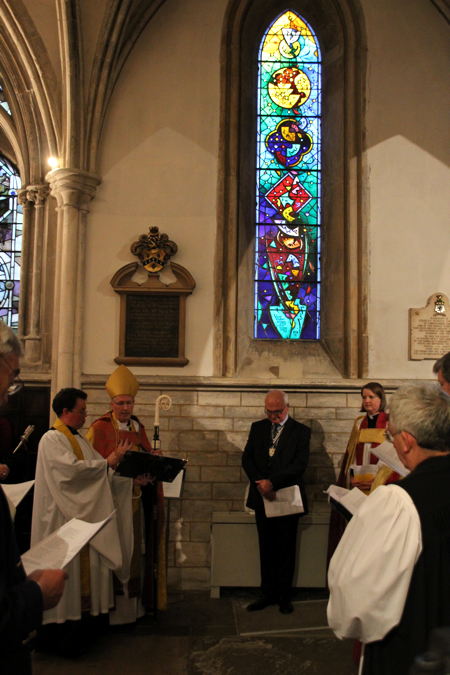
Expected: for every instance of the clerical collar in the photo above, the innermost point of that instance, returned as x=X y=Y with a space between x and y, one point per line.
x=72 y=430
x=124 y=426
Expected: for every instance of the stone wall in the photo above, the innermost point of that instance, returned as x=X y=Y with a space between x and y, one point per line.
x=210 y=429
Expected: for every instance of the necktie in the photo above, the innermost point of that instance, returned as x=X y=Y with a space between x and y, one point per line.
x=275 y=429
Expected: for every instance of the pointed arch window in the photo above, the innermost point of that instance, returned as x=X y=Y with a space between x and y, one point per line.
x=293 y=223
x=10 y=243
x=288 y=182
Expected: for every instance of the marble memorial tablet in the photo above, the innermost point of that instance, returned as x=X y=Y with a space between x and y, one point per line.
x=429 y=329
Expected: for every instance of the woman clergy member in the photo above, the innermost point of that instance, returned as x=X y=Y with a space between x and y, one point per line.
x=368 y=432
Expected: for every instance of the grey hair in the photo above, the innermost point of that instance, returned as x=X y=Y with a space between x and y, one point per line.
x=279 y=392
x=423 y=411
x=443 y=364
x=9 y=342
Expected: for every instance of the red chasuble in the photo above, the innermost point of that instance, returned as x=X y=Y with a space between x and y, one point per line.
x=104 y=435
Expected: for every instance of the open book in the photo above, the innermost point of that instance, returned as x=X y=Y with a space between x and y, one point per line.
x=59 y=548
x=347 y=502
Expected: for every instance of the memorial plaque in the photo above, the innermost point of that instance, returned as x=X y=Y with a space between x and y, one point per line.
x=429 y=329
x=152 y=311
x=152 y=326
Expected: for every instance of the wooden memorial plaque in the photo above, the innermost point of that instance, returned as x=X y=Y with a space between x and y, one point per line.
x=152 y=317
x=152 y=325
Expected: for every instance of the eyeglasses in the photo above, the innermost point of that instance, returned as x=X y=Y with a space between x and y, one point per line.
x=17 y=384
x=390 y=436
x=273 y=412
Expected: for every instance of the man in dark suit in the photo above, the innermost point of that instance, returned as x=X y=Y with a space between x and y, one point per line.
x=275 y=457
x=22 y=598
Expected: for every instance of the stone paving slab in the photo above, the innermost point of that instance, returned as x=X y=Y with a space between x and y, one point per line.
x=277 y=656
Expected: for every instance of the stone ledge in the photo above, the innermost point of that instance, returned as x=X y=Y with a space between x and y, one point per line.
x=320 y=517
x=225 y=384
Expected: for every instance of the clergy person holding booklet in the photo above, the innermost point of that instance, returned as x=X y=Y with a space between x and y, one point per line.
x=274 y=459
x=146 y=588
x=74 y=481
x=389 y=578
x=360 y=467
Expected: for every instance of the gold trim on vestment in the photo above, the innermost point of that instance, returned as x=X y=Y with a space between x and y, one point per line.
x=371 y=435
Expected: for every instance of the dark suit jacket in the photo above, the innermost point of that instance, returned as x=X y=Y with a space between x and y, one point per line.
x=20 y=600
x=287 y=465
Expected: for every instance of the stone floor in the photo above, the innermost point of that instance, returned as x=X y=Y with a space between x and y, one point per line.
x=198 y=635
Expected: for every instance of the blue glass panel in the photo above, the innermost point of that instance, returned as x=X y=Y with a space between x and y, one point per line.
x=10 y=243
x=288 y=177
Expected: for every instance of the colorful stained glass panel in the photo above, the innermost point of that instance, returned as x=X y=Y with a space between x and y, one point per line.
x=288 y=176
x=10 y=243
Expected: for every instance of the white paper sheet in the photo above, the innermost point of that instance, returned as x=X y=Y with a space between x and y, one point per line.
x=288 y=501
x=17 y=491
x=388 y=455
x=350 y=499
x=173 y=490
x=59 y=548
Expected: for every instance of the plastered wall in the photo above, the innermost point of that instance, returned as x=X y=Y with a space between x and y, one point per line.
x=408 y=177
x=160 y=160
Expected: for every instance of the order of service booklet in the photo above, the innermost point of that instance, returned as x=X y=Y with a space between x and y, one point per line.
x=387 y=454
x=17 y=491
x=287 y=502
x=59 y=548
x=347 y=502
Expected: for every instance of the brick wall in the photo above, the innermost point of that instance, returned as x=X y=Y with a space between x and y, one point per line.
x=210 y=429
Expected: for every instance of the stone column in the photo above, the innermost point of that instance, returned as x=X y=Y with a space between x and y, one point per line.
x=34 y=224
x=26 y=258
x=73 y=190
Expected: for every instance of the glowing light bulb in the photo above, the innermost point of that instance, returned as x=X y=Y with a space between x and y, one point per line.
x=53 y=162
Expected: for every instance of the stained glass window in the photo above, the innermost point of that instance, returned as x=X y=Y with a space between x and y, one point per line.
x=3 y=101
x=287 y=256
x=10 y=243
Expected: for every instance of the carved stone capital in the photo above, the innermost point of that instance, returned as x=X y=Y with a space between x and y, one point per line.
x=33 y=195
x=37 y=194
x=73 y=187
x=23 y=198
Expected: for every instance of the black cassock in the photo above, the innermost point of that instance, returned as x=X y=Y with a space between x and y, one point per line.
x=428 y=600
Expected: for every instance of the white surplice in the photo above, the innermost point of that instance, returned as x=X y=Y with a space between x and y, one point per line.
x=66 y=488
x=371 y=569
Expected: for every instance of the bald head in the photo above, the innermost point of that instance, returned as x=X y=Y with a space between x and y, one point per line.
x=276 y=405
